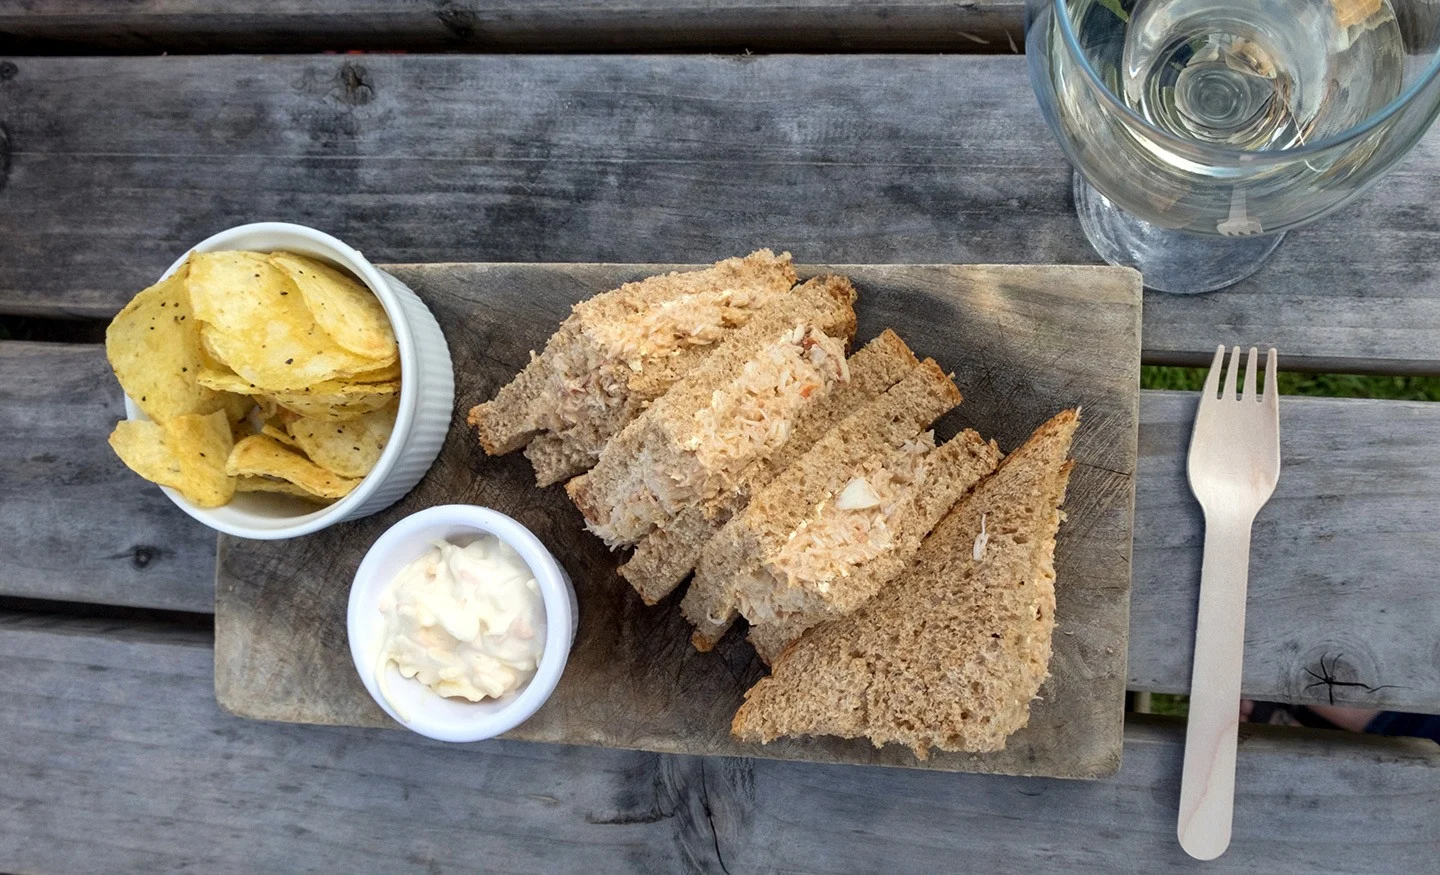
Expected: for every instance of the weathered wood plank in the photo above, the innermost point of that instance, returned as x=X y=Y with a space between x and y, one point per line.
x=89 y=26
x=116 y=750
x=1025 y=341
x=854 y=159
x=77 y=524
x=1343 y=557
x=1342 y=560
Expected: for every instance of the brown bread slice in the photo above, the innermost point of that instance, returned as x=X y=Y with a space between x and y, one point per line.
x=887 y=421
x=664 y=557
x=618 y=497
x=950 y=471
x=508 y=422
x=608 y=378
x=555 y=458
x=950 y=654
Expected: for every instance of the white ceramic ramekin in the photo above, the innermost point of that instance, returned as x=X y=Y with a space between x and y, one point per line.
x=427 y=396
x=414 y=705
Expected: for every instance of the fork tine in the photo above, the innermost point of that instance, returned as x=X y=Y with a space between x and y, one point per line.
x=1252 y=364
x=1212 y=379
x=1232 y=370
x=1272 y=381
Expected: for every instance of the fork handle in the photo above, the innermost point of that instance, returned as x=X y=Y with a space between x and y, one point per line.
x=1207 y=784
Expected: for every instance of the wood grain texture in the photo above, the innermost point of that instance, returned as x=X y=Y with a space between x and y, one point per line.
x=115 y=750
x=77 y=524
x=613 y=158
x=89 y=26
x=1026 y=342
x=1343 y=554
x=1341 y=563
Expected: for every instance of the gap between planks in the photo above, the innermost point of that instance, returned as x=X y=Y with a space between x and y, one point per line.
x=279 y=26
x=53 y=326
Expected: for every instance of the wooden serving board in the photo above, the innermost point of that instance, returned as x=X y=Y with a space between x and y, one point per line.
x=1024 y=342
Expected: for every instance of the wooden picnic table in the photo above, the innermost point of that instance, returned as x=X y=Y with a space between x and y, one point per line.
x=511 y=147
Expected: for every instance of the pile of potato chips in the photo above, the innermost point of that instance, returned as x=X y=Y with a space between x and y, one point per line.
x=260 y=373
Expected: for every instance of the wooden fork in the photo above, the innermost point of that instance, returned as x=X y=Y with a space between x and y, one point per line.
x=1234 y=465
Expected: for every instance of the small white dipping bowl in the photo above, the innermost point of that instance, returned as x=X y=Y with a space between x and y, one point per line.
x=427 y=396
x=419 y=708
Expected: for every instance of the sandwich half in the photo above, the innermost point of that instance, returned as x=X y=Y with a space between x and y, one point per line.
x=860 y=534
x=950 y=655
x=766 y=551
x=616 y=353
x=664 y=557
x=698 y=446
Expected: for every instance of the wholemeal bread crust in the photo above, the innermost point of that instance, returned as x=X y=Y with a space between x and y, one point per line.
x=953 y=469
x=888 y=420
x=509 y=421
x=950 y=655
x=664 y=557
x=658 y=437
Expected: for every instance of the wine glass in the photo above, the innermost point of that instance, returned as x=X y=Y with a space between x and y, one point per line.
x=1203 y=130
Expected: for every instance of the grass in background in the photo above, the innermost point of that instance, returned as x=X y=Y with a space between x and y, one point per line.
x=1328 y=385
x=1173 y=706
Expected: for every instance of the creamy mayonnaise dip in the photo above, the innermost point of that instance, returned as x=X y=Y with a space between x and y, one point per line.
x=467 y=622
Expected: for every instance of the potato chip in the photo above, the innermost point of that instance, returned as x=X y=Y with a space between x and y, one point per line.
x=235 y=407
x=265 y=484
x=187 y=453
x=383 y=374
x=140 y=444
x=279 y=434
x=260 y=456
x=207 y=356
x=201 y=442
x=154 y=348
x=351 y=447
x=345 y=309
x=233 y=393
x=286 y=355
x=214 y=273
x=332 y=399
x=256 y=324
x=338 y=401
x=228 y=346
x=224 y=381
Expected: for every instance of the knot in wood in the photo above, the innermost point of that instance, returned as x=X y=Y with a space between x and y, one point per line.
x=1332 y=673
x=356 y=89
x=142 y=556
